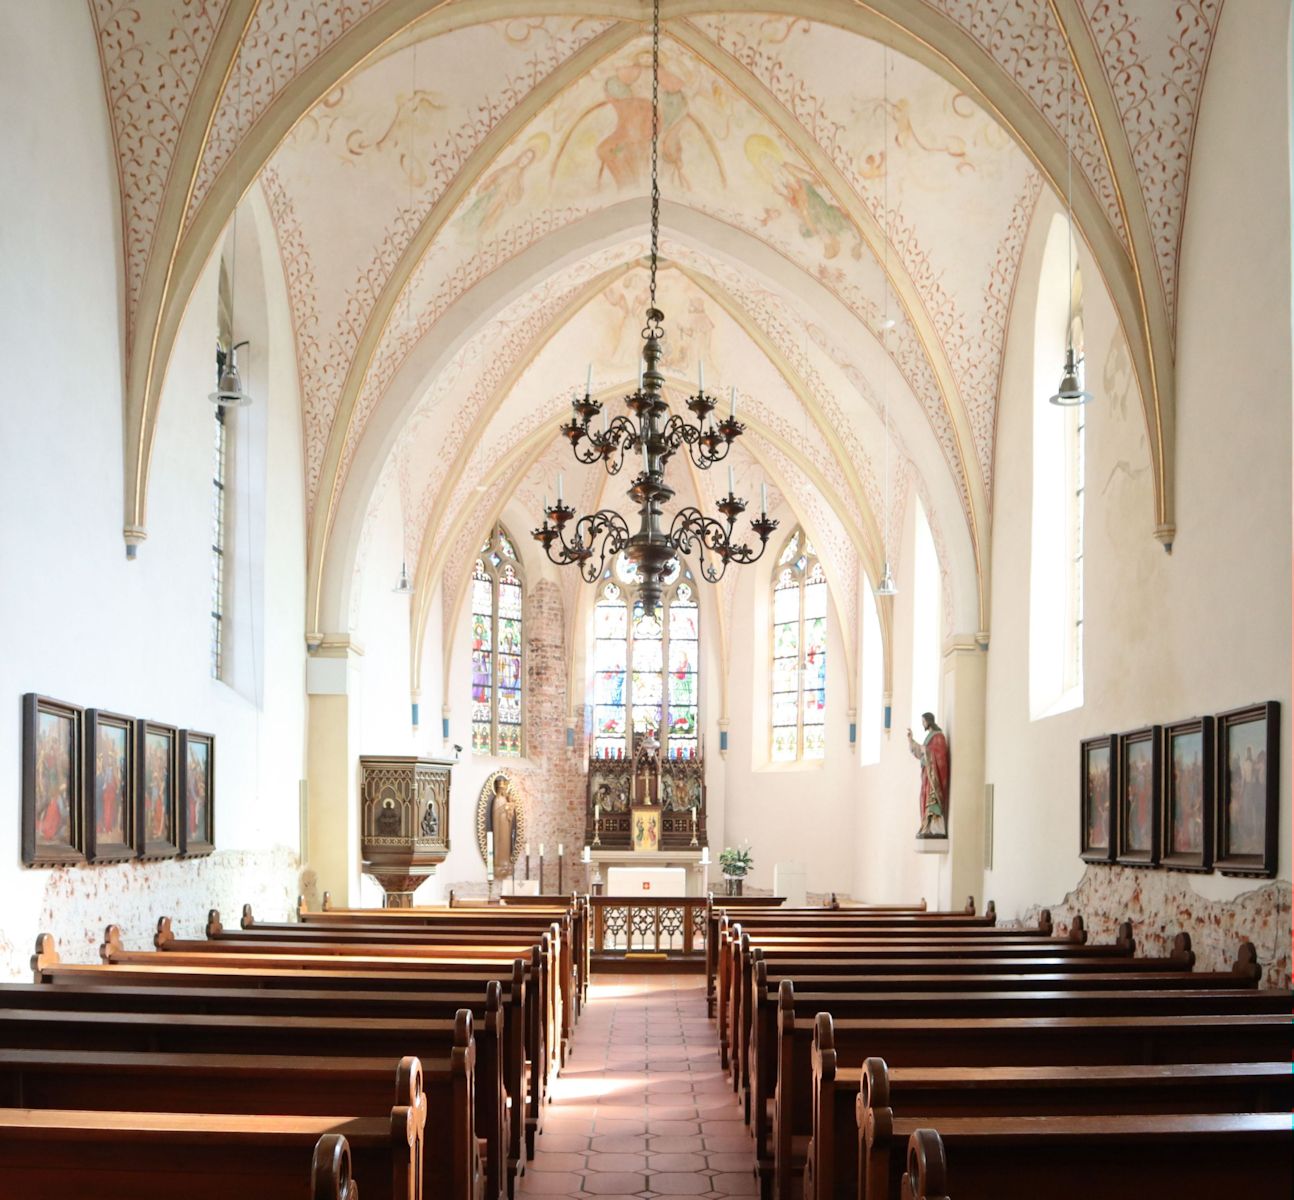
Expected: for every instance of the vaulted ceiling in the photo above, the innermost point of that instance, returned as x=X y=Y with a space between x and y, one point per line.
x=458 y=190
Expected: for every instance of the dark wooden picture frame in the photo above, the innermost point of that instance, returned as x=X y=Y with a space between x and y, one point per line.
x=1140 y=765
x=157 y=807
x=1097 y=810
x=111 y=786
x=1186 y=796
x=1247 y=792
x=53 y=771
x=197 y=792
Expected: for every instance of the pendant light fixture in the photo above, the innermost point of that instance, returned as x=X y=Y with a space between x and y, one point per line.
x=230 y=392
x=403 y=587
x=1070 y=393
x=652 y=431
x=887 y=586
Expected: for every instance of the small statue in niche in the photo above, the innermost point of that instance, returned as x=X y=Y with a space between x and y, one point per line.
x=932 y=754
x=431 y=820
x=502 y=818
x=387 y=822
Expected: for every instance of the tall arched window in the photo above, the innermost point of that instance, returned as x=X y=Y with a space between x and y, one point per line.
x=645 y=666
x=497 y=641
x=1059 y=433
x=223 y=422
x=799 y=676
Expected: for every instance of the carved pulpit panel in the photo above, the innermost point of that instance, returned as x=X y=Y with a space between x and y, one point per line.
x=404 y=822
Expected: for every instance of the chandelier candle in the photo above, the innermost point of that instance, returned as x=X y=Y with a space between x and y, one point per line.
x=654 y=551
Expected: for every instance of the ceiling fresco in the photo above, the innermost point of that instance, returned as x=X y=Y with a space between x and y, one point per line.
x=458 y=192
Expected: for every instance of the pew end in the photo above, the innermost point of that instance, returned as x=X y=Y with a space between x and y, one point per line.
x=926 y=1177
x=1124 y=940
x=302 y=907
x=327 y=902
x=1182 y=952
x=1246 y=965
x=246 y=921
x=46 y=956
x=1078 y=930
x=214 y=925
x=330 y=1170
x=111 y=946
x=164 y=935
x=1045 y=926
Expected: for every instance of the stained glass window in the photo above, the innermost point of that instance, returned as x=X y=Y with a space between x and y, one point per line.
x=497 y=648
x=799 y=673
x=645 y=666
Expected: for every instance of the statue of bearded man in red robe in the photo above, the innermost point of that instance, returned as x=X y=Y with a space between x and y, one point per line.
x=932 y=754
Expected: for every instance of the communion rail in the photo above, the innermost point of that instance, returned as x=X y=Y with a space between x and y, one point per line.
x=625 y=928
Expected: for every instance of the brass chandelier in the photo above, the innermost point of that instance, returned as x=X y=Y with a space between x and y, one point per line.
x=657 y=434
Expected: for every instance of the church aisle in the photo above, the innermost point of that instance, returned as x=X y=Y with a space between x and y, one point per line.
x=643 y=1108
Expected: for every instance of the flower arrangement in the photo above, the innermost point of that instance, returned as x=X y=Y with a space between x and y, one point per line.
x=736 y=864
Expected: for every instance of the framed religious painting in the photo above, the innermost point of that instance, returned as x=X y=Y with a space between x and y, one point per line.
x=1247 y=800
x=1186 y=796
x=197 y=792
x=1096 y=790
x=1136 y=794
x=157 y=803
x=53 y=766
x=110 y=783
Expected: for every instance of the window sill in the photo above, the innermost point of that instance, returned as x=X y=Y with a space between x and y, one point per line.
x=791 y=768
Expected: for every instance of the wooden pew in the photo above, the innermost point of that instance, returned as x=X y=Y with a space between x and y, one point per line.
x=543 y=1019
x=439 y=1092
x=736 y=970
x=572 y=909
x=734 y=940
x=474 y=932
x=51 y=1154
x=849 y=1102
x=734 y=907
x=1192 y=1157
x=498 y=1065
x=1022 y=994
x=556 y=985
x=853 y=1104
x=525 y=1056
x=999 y=1041
x=46 y=1028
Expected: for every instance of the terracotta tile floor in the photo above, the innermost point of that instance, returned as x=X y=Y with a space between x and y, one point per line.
x=643 y=1107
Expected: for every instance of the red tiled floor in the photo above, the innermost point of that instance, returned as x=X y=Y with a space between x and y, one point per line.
x=643 y=1109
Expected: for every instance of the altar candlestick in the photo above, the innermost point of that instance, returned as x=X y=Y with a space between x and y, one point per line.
x=541 y=868
x=597 y=810
x=489 y=855
x=561 y=863
x=527 y=862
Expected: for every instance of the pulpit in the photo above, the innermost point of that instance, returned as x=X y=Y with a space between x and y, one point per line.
x=403 y=822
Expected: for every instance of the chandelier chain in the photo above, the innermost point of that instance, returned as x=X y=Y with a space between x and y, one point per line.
x=655 y=144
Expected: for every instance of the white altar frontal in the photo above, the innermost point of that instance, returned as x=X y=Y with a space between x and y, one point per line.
x=662 y=873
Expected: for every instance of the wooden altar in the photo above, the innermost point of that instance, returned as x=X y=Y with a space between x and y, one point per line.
x=674 y=787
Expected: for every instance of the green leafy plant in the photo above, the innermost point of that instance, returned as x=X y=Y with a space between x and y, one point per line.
x=736 y=863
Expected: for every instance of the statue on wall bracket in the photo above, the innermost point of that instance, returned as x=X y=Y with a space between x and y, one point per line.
x=500 y=810
x=932 y=753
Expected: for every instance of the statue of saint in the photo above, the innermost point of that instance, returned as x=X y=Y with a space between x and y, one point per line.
x=932 y=754
x=503 y=821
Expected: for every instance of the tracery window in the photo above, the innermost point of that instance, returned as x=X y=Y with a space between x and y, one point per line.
x=645 y=665
x=799 y=675
x=497 y=648
x=223 y=421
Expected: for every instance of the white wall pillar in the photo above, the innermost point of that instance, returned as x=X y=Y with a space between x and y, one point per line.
x=965 y=670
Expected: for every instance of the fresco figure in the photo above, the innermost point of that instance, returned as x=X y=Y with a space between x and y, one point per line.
x=805 y=194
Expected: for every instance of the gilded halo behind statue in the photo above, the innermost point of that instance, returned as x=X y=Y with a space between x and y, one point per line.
x=501 y=810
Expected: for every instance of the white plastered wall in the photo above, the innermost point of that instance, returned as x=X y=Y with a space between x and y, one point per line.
x=80 y=622
x=1207 y=628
